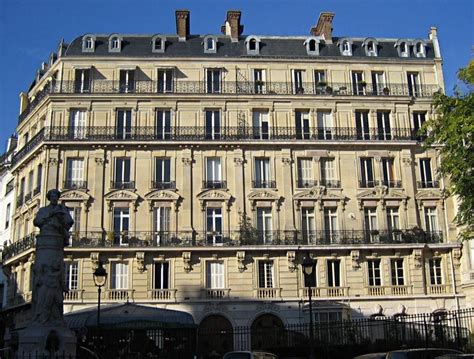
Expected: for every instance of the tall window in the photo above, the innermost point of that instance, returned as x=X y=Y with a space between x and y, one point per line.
x=425 y=173
x=39 y=178
x=388 y=172
x=7 y=216
x=119 y=275
x=214 y=226
x=213 y=124
x=373 y=266
x=378 y=83
x=77 y=124
x=127 y=81
x=31 y=176
x=435 y=271
x=261 y=126
x=396 y=266
x=122 y=173
x=165 y=81
x=265 y=225
x=431 y=219
x=371 y=225
x=325 y=125
x=366 y=173
x=393 y=223
x=213 y=80
x=303 y=130
x=162 y=173
x=71 y=274
x=215 y=275
x=308 y=225
x=213 y=173
x=163 y=124
x=320 y=77
x=121 y=225
x=22 y=189
x=413 y=84
x=265 y=274
x=75 y=213
x=328 y=173
x=362 y=125
x=262 y=173
x=161 y=221
x=161 y=275
x=419 y=119
x=358 y=83
x=383 y=125
x=259 y=81
x=74 y=173
x=124 y=124
x=334 y=273
x=330 y=225
x=305 y=172
x=298 y=85
x=82 y=80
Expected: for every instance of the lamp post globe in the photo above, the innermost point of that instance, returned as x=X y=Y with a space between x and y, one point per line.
x=308 y=267
x=100 y=275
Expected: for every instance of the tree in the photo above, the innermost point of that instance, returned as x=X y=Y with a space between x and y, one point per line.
x=451 y=130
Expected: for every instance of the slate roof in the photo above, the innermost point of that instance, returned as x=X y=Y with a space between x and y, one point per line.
x=140 y=46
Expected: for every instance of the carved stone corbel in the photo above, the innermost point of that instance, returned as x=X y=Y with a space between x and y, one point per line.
x=457 y=254
x=187 y=161
x=355 y=259
x=94 y=259
x=187 y=261
x=291 y=256
x=140 y=256
x=418 y=258
x=240 y=261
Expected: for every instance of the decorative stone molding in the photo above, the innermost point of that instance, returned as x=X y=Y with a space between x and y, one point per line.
x=239 y=161
x=355 y=259
x=187 y=261
x=287 y=161
x=187 y=162
x=418 y=257
x=158 y=196
x=291 y=256
x=406 y=161
x=140 y=257
x=214 y=195
x=241 y=261
x=95 y=259
x=53 y=162
x=121 y=195
x=457 y=254
x=77 y=196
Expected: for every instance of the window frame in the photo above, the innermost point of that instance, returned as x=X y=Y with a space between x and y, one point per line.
x=123 y=276
x=374 y=272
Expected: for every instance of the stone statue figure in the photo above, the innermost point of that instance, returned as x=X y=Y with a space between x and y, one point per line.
x=54 y=222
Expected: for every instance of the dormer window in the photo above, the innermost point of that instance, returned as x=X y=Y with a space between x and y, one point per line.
x=345 y=46
x=115 y=43
x=312 y=46
x=419 y=48
x=88 y=43
x=253 y=45
x=210 y=45
x=158 y=44
x=370 y=46
x=403 y=48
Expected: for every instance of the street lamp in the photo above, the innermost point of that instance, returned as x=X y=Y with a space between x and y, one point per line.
x=100 y=277
x=309 y=269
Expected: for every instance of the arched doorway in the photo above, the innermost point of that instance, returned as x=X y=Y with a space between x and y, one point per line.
x=268 y=333
x=215 y=337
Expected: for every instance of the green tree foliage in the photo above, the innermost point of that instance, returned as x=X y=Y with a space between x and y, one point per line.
x=452 y=131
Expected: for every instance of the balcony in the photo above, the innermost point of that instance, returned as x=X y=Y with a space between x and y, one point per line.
x=209 y=184
x=394 y=290
x=263 y=184
x=75 y=184
x=73 y=295
x=329 y=183
x=306 y=183
x=390 y=183
x=437 y=289
x=120 y=295
x=325 y=292
x=162 y=295
x=122 y=184
x=367 y=184
x=216 y=293
x=268 y=293
x=19 y=246
x=427 y=184
x=163 y=185
x=26 y=149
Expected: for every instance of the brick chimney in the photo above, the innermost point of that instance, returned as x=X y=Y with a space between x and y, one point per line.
x=182 y=24
x=232 y=25
x=324 y=26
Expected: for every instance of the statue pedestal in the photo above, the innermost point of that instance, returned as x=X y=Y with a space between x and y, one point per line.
x=36 y=342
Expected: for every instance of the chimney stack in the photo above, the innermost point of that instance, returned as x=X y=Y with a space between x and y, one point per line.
x=182 y=24
x=232 y=25
x=324 y=26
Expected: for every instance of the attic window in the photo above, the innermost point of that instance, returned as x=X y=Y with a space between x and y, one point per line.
x=346 y=47
x=370 y=45
x=88 y=43
x=115 y=44
x=403 y=48
x=210 y=45
x=419 y=49
x=158 y=44
x=253 y=45
x=312 y=46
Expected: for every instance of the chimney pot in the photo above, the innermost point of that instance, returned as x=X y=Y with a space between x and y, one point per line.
x=182 y=24
x=324 y=26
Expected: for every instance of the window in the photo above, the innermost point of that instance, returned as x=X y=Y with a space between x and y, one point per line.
x=10 y=186
x=325 y=126
x=7 y=216
x=396 y=266
x=213 y=173
x=298 y=85
x=308 y=225
x=358 y=83
x=158 y=44
x=262 y=173
x=213 y=80
x=431 y=219
x=26 y=138
x=328 y=173
x=413 y=84
x=39 y=178
x=419 y=49
x=161 y=275
x=75 y=213
x=305 y=173
x=261 y=126
x=383 y=126
x=436 y=277
x=119 y=275
x=265 y=225
x=312 y=46
x=388 y=173
x=210 y=45
x=74 y=173
x=121 y=225
x=124 y=124
x=302 y=125
x=259 y=81
x=71 y=275
x=393 y=224
x=127 y=81
x=371 y=225
x=362 y=125
x=122 y=173
x=215 y=275
x=320 y=82
x=161 y=225
x=426 y=174
x=88 y=43
x=115 y=43
x=366 y=173
x=253 y=45
x=373 y=265
x=77 y=124
x=345 y=46
x=265 y=274
x=403 y=48
x=330 y=225
x=162 y=173
x=31 y=176
x=163 y=124
x=213 y=124
x=214 y=226
x=22 y=189
x=419 y=118
x=378 y=83
x=334 y=273
x=82 y=80
x=370 y=46
x=165 y=81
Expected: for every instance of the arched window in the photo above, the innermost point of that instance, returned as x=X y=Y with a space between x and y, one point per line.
x=253 y=45
x=158 y=44
x=403 y=48
x=419 y=48
x=115 y=43
x=312 y=46
x=345 y=46
x=370 y=45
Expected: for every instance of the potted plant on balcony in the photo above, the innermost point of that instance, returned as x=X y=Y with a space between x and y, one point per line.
x=362 y=83
x=329 y=90
x=386 y=91
x=110 y=238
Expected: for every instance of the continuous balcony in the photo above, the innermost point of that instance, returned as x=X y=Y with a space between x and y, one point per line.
x=163 y=184
x=75 y=184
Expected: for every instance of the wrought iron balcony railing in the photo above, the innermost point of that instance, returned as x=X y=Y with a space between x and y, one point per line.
x=367 y=184
x=329 y=183
x=149 y=87
x=263 y=184
x=427 y=184
x=306 y=183
x=19 y=246
x=391 y=183
x=214 y=184
x=22 y=152
x=122 y=184
x=163 y=185
x=75 y=184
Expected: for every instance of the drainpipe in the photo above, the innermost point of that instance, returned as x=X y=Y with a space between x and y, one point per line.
x=453 y=279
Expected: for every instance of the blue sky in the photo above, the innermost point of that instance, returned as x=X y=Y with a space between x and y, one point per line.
x=31 y=29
